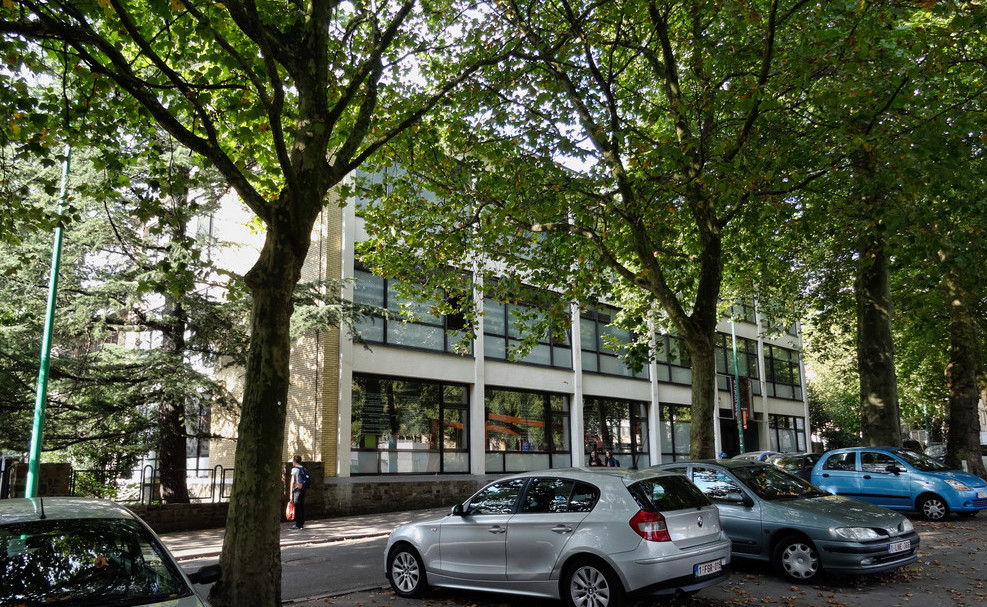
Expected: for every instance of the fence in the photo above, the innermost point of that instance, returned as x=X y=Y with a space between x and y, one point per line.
x=143 y=486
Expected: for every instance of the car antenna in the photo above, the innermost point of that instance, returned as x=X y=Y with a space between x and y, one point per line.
x=41 y=501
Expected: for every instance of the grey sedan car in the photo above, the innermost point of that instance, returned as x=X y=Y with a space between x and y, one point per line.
x=590 y=537
x=775 y=516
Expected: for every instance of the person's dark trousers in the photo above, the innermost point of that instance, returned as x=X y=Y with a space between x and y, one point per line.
x=298 y=496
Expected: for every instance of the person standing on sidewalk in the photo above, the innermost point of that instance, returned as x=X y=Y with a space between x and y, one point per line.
x=297 y=486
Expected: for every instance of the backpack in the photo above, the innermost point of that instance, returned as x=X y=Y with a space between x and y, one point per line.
x=304 y=477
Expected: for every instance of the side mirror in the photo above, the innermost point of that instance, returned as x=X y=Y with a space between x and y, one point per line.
x=739 y=497
x=895 y=470
x=458 y=510
x=207 y=575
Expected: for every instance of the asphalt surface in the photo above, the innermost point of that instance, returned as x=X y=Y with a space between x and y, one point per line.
x=951 y=570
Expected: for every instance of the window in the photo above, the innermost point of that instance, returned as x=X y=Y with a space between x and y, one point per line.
x=672 y=358
x=547 y=495
x=402 y=425
x=526 y=430
x=598 y=337
x=620 y=426
x=781 y=371
x=499 y=498
x=787 y=433
x=715 y=484
x=871 y=461
x=424 y=328
x=841 y=461
x=746 y=361
x=503 y=331
x=668 y=493
x=742 y=312
x=676 y=427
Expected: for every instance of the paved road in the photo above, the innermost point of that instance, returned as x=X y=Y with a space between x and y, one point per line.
x=952 y=570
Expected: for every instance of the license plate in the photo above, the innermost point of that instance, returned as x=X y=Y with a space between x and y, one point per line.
x=704 y=569
x=981 y=495
x=896 y=547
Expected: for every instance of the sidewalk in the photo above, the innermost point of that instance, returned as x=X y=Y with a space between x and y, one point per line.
x=208 y=543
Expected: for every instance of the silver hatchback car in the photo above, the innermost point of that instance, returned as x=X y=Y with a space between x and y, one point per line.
x=590 y=537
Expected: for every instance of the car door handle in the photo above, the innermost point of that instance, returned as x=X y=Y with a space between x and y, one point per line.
x=867 y=476
x=562 y=529
x=497 y=529
x=825 y=475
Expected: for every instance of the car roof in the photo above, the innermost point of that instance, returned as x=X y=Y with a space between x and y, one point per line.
x=725 y=463
x=586 y=472
x=20 y=510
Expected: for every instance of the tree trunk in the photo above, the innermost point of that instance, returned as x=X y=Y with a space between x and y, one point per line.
x=252 y=541
x=963 y=436
x=702 y=432
x=172 y=468
x=880 y=422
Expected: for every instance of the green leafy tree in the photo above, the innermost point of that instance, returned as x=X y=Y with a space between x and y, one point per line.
x=284 y=100
x=656 y=155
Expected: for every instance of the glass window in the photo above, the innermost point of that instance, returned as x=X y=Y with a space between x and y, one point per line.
x=526 y=430
x=787 y=433
x=505 y=326
x=618 y=426
x=667 y=493
x=422 y=327
x=603 y=344
x=499 y=498
x=402 y=425
x=871 y=461
x=715 y=484
x=548 y=495
x=841 y=461
x=676 y=428
x=673 y=360
x=782 y=373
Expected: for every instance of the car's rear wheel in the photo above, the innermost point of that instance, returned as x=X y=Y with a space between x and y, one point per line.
x=406 y=572
x=591 y=583
x=933 y=507
x=796 y=558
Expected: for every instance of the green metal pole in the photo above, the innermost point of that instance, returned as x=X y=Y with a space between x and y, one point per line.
x=736 y=387
x=34 y=463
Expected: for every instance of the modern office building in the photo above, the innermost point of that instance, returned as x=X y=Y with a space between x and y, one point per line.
x=415 y=402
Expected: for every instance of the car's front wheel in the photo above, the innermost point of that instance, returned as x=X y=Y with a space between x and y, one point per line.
x=933 y=507
x=406 y=572
x=796 y=558
x=590 y=583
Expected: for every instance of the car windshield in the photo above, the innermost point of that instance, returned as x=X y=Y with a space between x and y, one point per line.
x=86 y=562
x=770 y=482
x=919 y=461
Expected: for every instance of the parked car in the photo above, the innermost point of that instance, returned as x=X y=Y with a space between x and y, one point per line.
x=757 y=456
x=588 y=536
x=937 y=451
x=80 y=551
x=799 y=464
x=897 y=478
x=772 y=515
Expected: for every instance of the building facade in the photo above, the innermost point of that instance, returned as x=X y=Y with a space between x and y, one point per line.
x=415 y=401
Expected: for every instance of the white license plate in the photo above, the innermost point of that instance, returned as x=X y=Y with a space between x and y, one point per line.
x=704 y=569
x=981 y=495
x=896 y=547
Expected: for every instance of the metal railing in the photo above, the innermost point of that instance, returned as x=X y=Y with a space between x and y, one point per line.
x=143 y=486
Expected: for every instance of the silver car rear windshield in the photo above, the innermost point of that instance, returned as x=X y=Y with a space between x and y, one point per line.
x=85 y=562
x=667 y=493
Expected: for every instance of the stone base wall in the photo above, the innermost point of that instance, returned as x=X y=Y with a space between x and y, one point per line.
x=336 y=497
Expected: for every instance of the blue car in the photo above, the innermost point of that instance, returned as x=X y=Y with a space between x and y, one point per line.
x=900 y=479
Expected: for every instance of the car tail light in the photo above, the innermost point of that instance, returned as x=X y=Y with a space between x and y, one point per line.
x=651 y=526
